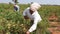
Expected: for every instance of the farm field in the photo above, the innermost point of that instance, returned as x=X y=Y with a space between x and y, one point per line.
x=13 y=22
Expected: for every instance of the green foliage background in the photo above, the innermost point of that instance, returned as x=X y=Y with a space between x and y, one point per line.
x=13 y=22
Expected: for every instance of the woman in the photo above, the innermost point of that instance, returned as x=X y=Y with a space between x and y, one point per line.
x=16 y=7
x=32 y=14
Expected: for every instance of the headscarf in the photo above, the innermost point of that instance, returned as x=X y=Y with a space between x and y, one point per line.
x=35 y=6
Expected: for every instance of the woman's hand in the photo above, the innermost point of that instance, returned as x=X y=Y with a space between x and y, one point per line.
x=27 y=32
x=26 y=17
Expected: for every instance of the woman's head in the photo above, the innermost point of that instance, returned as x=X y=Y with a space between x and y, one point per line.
x=34 y=6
